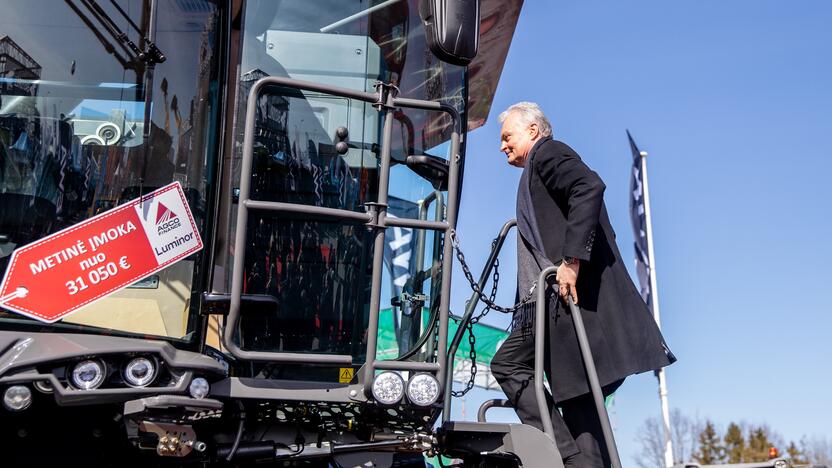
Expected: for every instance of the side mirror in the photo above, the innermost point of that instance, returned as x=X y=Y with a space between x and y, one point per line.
x=452 y=29
x=432 y=168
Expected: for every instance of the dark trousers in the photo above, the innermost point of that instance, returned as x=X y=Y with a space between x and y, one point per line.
x=577 y=431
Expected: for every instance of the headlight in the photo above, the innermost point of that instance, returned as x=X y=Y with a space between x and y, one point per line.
x=43 y=386
x=17 y=398
x=422 y=389
x=388 y=388
x=199 y=388
x=88 y=375
x=139 y=372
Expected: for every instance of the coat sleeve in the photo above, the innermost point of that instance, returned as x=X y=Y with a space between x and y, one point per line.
x=568 y=178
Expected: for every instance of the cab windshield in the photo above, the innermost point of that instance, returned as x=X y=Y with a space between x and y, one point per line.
x=87 y=124
x=319 y=272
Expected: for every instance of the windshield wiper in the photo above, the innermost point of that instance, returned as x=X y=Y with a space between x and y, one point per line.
x=149 y=56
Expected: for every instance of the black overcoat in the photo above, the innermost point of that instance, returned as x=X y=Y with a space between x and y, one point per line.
x=567 y=198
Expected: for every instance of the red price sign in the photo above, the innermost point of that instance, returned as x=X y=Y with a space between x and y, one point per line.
x=57 y=275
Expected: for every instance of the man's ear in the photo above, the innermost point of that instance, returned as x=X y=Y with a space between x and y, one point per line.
x=534 y=131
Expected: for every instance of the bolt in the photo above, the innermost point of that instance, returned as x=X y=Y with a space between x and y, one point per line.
x=358 y=51
x=353 y=393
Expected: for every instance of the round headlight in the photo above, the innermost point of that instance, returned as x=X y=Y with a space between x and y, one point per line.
x=44 y=386
x=17 y=398
x=88 y=375
x=422 y=389
x=139 y=372
x=388 y=388
x=199 y=388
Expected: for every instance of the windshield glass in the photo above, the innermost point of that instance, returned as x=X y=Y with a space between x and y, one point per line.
x=320 y=271
x=86 y=126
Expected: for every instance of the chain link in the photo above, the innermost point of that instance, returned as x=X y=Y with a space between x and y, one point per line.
x=489 y=302
x=472 y=340
x=489 y=305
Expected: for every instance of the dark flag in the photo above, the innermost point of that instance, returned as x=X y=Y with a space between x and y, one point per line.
x=639 y=221
x=400 y=244
x=399 y=256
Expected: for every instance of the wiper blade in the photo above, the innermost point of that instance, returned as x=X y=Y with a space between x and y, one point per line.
x=103 y=40
x=150 y=55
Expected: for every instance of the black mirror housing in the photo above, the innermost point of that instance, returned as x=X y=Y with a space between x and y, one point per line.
x=452 y=29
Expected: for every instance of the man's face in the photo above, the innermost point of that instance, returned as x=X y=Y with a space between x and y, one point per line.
x=517 y=139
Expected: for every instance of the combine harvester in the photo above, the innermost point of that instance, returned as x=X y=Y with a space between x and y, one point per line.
x=225 y=230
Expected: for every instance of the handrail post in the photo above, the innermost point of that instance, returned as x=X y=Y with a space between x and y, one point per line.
x=594 y=384
x=589 y=365
x=539 y=350
x=469 y=311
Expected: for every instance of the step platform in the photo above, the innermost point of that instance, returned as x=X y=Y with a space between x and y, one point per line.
x=483 y=441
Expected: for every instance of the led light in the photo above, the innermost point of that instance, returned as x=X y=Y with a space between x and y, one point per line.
x=17 y=398
x=139 y=372
x=199 y=388
x=44 y=386
x=388 y=388
x=422 y=389
x=88 y=375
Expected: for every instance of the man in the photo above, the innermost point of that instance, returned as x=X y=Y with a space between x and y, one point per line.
x=562 y=221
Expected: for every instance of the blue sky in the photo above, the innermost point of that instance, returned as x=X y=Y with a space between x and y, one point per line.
x=733 y=102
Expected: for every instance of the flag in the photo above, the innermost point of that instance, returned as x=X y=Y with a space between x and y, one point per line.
x=639 y=221
x=399 y=258
x=400 y=244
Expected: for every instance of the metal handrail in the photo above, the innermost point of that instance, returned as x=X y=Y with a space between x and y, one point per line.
x=376 y=218
x=488 y=404
x=539 y=353
x=469 y=310
x=589 y=364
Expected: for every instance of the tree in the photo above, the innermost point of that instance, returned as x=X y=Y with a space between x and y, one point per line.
x=683 y=435
x=758 y=445
x=818 y=450
x=796 y=456
x=651 y=439
x=710 y=449
x=734 y=444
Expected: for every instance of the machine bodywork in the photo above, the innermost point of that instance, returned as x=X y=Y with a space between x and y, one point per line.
x=321 y=149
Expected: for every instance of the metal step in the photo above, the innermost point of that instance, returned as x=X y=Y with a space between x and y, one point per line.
x=530 y=447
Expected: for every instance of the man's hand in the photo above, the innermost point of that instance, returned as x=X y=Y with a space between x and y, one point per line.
x=567 y=276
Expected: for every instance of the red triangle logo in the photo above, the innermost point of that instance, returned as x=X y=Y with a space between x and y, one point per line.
x=163 y=214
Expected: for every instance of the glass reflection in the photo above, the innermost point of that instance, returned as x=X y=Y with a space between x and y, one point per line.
x=87 y=123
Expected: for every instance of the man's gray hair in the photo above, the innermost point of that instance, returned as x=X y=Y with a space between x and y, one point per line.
x=529 y=113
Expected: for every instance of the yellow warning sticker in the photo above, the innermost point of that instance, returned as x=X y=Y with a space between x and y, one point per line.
x=346 y=375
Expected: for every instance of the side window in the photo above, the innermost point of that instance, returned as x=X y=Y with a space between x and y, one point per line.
x=318 y=271
x=295 y=156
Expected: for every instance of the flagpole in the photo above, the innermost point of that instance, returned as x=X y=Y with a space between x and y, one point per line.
x=654 y=291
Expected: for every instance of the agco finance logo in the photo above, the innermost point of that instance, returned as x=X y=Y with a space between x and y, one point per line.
x=166 y=220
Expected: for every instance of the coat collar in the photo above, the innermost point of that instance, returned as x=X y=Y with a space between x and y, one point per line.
x=536 y=147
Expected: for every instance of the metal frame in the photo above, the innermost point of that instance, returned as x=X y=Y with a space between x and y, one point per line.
x=375 y=218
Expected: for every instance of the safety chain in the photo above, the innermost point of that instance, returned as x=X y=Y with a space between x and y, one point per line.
x=489 y=305
x=473 y=356
x=489 y=302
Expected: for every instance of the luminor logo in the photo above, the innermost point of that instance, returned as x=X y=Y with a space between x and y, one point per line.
x=166 y=220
